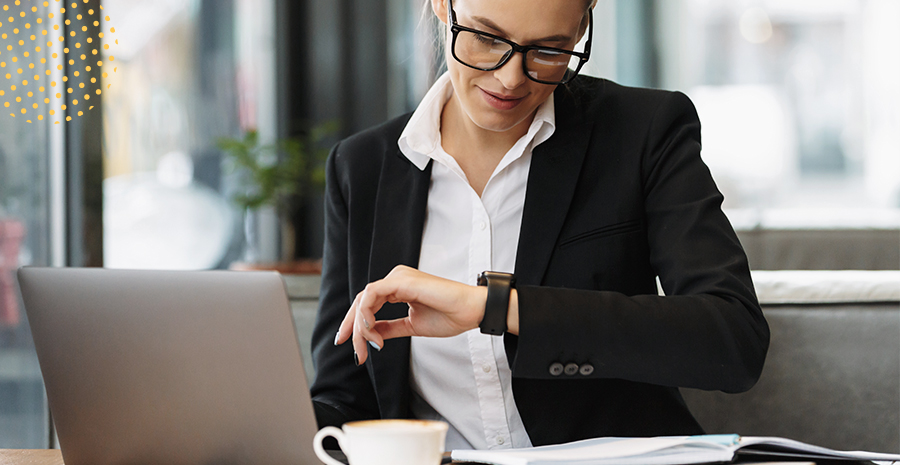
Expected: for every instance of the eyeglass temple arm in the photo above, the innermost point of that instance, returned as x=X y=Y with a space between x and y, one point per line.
x=590 y=33
x=451 y=15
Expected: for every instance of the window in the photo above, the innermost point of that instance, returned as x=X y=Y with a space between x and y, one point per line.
x=26 y=164
x=190 y=72
x=798 y=99
x=24 y=240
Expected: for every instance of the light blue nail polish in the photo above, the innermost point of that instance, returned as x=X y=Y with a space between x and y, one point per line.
x=375 y=346
x=336 y=335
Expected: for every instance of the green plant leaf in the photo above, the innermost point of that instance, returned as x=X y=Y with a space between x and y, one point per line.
x=278 y=174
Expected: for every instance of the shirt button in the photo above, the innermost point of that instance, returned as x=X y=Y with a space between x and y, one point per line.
x=486 y=368
x=500 y=440
x=482 y=225
x=556 y=369
x=571 y=369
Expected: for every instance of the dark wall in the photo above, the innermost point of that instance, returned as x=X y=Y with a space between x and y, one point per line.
x=332 y=67
x=84 y=156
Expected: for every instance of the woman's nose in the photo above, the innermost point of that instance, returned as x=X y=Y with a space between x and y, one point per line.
x=511 y=74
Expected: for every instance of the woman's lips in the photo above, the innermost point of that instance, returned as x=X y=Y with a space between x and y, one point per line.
x=500 y=101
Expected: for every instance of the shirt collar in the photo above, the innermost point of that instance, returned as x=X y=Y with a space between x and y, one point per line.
x=421 y=138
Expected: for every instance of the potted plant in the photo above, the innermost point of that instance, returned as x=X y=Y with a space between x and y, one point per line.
x=282 y=175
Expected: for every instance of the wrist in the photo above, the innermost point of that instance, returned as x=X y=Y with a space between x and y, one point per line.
x=479 y=302
x=512 y=313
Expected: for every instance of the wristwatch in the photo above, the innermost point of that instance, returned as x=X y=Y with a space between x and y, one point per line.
x=499 y=286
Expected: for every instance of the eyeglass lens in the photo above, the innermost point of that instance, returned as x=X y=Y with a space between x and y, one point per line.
x=485 y=52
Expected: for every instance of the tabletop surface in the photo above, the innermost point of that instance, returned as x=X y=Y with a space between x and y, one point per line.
x=30 y=457
x=54 y=457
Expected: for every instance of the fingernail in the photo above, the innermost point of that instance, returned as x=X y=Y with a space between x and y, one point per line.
x=366 y=323
x=355 y=358
x=374 y=345
x=336 y=336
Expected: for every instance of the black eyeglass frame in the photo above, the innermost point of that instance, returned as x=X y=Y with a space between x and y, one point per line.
x=583 y=57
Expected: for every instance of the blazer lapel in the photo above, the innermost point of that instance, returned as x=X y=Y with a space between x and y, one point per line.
x=555 y=167
x=400 y=207
x=399 y=215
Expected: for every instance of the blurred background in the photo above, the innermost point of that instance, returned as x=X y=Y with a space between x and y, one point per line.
x=173 y=169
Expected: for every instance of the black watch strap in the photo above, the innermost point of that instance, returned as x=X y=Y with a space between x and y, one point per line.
x=496 y=307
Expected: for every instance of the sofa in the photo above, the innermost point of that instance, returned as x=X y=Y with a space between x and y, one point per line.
x=832 y=374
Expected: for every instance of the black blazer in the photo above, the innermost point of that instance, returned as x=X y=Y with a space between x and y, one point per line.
x=616 y=197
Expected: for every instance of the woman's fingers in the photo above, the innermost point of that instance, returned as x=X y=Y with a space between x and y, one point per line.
x=438 y=308
x=364 y=333
x=345 y=330
x=390 y=329
x=359 y=325
x=360 y=352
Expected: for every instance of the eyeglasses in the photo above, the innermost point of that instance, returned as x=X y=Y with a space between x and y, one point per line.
x=487 y=52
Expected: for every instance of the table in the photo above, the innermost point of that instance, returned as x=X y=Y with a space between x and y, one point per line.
x=30 y=457
x=35 y=457
x=54 y=457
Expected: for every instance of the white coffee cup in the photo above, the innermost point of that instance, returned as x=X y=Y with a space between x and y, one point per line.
x=386 y=442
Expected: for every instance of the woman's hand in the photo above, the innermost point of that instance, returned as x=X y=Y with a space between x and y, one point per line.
x=438 y=307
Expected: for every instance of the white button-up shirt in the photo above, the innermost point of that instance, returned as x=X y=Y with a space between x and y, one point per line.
x=466 y=380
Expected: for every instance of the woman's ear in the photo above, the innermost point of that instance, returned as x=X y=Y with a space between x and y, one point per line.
x=440 y=9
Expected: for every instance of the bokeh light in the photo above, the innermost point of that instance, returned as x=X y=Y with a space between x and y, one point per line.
x=25 y=17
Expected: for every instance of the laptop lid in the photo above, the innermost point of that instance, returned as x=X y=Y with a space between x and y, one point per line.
x=174 y=367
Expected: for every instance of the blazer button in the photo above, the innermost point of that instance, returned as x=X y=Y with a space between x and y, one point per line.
x=556 y=369
x=571 y=369
x=586 y=369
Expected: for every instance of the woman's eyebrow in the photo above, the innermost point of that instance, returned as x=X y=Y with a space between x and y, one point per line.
x=491 y=25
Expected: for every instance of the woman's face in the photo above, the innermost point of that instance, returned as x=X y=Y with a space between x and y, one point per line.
x=505 y=98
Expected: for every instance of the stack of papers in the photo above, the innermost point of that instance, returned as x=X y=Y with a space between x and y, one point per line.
x=668 y=450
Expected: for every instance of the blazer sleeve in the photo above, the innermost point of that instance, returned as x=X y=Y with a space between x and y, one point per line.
x=708 y=332
x=341 y=391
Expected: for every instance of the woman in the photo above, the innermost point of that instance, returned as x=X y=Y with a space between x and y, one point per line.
x=586 y=191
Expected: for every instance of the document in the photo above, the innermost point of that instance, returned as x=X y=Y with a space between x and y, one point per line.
x=667 y=450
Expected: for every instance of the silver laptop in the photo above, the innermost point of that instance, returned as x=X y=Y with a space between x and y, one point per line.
x=170 y=367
